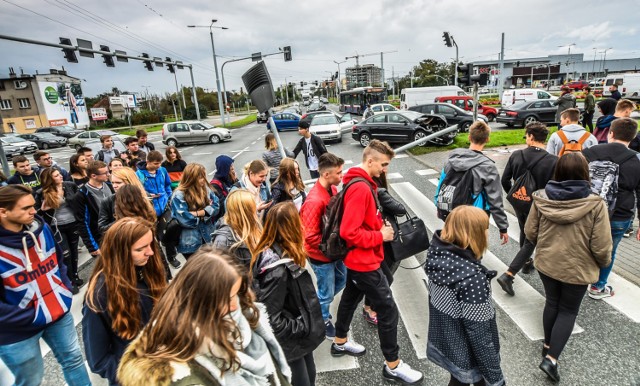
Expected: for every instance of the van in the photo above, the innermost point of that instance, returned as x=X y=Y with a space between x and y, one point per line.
x=410 y=97
x=628 y=85
x=514 y=95
x=466 y=103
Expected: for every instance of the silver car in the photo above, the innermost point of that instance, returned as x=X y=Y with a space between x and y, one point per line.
x=27 y=147
x=184 y=132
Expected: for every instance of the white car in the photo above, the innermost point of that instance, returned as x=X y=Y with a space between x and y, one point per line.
x=184 y=132
x=79 y=140
x=377 y=109
x=329 y=127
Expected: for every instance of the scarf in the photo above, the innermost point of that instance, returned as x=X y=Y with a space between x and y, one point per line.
x=255 y=191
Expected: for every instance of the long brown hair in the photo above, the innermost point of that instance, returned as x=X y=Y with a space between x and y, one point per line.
x=283 y=226
x=571 y=166
x=167 y=153
x=195 y=193
x=132 y=202
x=287 y=176
x=242 y=218
x=195 y=309
x=118 y=273
x=50 y=188
x=466 y=226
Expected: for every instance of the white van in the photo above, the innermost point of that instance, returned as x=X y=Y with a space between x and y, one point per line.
x=513 y=95
x=410 y=97
x=628 y=85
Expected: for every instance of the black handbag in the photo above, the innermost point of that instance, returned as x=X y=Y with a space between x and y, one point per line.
x=410 y=238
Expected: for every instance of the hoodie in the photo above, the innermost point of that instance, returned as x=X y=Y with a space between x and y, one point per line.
x=486 y=182
x=32 y=180
x=571 y=231
x=157 y=184
x=361 y=223
x=603 y=123
x=564 y=102
x=35 y=288
x=573 y=132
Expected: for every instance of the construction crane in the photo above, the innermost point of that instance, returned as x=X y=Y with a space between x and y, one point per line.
x=358 y=56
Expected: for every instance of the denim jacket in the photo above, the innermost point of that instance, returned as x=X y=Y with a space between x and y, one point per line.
x=195 y=230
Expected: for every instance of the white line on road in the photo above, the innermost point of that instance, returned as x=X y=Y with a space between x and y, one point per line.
x=426 y=172
x=394 y=176
x=401 y=156
x=203 y=153
x=434 y=181
x=348 y=162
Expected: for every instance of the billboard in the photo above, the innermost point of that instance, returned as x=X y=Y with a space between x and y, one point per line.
x=99 y=114
x=64 y=103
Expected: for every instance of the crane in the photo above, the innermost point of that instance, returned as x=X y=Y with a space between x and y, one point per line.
x=358 y=56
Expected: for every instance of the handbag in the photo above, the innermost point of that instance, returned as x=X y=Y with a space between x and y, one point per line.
x=410 y=238
x=163 y=222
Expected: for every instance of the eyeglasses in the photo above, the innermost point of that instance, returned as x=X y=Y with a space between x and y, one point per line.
x=102 y=174
x=46 y=158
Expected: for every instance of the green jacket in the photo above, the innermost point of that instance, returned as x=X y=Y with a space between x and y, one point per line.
x=589 y=103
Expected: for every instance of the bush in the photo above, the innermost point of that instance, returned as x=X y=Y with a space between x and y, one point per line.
x=145 y=117
x=110 y=123
x=190 y=112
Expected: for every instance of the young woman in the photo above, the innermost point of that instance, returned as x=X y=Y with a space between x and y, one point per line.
x=289 y=185
x=175 y=165
x=126 y=282
x=463 y=334
x=239 y=231
x=223 y=180
x=253 y=179
x=286 y=289
x=568 y=258
x=119 y=178
x=53 y=204
x=272 y=157
x=115 y=164
x=194 y=205
x=78 y=164
x=206 y=330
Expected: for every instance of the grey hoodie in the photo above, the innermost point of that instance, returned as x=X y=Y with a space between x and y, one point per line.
x=485 y=178
x=564 y=102
x=573 y=133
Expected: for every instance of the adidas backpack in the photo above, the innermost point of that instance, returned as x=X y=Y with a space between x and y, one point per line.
x=454 y=190
x=520 y=193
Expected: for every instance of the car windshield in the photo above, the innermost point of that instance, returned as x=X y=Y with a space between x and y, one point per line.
x=412 y=115
x=314 y=106
x=65 y=128
x=12 y=139
x=46 y=135
x=107 y=132
x=324 y=120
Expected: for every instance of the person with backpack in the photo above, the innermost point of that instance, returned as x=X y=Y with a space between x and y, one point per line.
x=364 y=232
x=615 y=176
x=331 y=275
x=108 y=152
x=287 y=291
x=223 y=180
x=311 y=146
x=570 y=228
x=570 y=136
x=530 y=169
x=471 y=178
x=566 y=101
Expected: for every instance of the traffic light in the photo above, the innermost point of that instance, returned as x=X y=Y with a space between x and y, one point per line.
x=287 y=54
x=69 y=54
x=518 y=63
x=337 y=75
x=315 y=82
x=301 y=84
x=170 y=65
x=108 y=58
x=147 y=63
x=466 y=70
x=447 y=39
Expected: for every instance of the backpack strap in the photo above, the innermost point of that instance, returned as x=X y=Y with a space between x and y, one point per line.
x=375 y=196
x=584 y=138
x=277 y=263
x=563 y=136
x=530 y=166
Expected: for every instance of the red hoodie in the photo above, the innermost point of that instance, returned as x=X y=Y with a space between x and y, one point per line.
x=361 y=223
x=311 y=213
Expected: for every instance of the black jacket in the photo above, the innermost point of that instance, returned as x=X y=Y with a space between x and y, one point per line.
x=543 y=165
x=628 y=176
x=287 y=291
x=87 y=211
x=69 y=191
x=107 y=214
x=316 y=144
x=224 y=239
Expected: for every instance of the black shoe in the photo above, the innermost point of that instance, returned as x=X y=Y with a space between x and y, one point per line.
x=545 y=351
x=550 y=369
x=74 y=289
x=175 y=263
x=506 y=282
x=77 y=281
x=528 y=267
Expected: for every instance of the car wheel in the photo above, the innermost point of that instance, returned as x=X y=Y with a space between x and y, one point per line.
x=365 y=138
x=465 y=126
x=214 y=139
x=530 y=119
x=172 y=142
x=45 y=146
x=77 y=146
x=491 y=117
x=419 y=134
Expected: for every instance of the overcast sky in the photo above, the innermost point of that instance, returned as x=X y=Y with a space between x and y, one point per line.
x=319 y=32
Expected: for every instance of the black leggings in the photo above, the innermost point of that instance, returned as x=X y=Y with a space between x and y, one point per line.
x=303 y=371
x=560 y=312
x=455 y=382
x=68 y=237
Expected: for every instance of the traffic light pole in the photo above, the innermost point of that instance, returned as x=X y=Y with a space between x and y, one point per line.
x=455 y=72
x=475 y=101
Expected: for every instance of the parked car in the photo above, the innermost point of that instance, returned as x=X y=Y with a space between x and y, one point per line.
x=454 y=114
x=324 y=100
x=285 y=121
x=61 y=131
x=183 y=132
x=45 y=140
x=402 y=127
x=377 y=109
x=291 y=110
x=577 y=85
x=329 y=127
x=12 y=151
x=308 y=117
x=27 y=147
x=79 y=140
x=522 y=113
x=316 y=106
x=465 y=102
x=262 y=117
x=95 y=145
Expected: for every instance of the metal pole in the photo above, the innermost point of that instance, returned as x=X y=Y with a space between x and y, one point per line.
x=475 y=101
x=427 y=138
x=195 y=96
x=184 y=101
x=175 y=77
x=501 y=70
x=455 y=67
x=531 y=76
x=175 y=113
x=215 y=64
x=3 y=156
x=274 y=130
x=382 y=69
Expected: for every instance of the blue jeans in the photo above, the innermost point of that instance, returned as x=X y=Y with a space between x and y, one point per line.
x=617 y=231
x=331 y=279
x=24 y=358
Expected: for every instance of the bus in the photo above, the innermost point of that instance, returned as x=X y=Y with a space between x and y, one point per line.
x=355 y=101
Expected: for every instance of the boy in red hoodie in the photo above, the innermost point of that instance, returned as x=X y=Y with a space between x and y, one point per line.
x=364 y=231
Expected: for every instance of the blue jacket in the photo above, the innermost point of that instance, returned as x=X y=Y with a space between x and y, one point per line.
x=195 y=230
x=158 y=184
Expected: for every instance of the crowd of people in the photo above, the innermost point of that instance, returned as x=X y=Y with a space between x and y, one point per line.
x=244 y=310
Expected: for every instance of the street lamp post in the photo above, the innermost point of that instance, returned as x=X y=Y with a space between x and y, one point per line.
x=604 y=59
x=215 y=64
x=339 y=83
x=568 y=57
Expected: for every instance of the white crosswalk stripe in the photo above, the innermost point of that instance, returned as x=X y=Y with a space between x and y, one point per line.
x=426 y=172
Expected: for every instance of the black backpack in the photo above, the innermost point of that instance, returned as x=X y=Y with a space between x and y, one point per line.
x=604 y=174
x=332 y=245
x=455 y=189
x=520 y=193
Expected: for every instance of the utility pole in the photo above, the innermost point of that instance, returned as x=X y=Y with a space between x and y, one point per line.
x=178 y=96
x=501 y=70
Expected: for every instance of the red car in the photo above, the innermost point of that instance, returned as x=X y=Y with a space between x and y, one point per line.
x=577 y=85
x=465 y=102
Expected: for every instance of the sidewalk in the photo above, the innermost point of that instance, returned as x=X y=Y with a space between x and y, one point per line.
x=627 y=263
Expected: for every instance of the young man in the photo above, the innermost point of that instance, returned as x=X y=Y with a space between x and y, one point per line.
x=44 y=160
x=615 y=94
x=24 y=175
x=107 y=153
x=541 y=165
x=623 y=131
x=621 y=109
x=364 y=232
x=35 y=296
x=134 y=154
x=331 y=276
x=572 y=131
x=144 y=145
x=589 y=109
x=486 y=179
x=311 y=146
x=86 y=205
x=86 y=152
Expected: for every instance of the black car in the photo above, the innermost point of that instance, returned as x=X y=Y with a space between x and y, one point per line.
x=522 y=113
x=316 y=107
x=402 y=127
x=262 y=117
x=61 y=131
x=45 y=140
x=454 y=114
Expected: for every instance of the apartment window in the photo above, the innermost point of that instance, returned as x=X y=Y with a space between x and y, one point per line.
x=5 y=104
x=1 y=86
x=24 y=103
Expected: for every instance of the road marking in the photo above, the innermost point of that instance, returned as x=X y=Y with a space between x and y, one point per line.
x=434 y=181
x=348 y=162
x=254 y=142
x=355 y=144
x=310 y=182
x=187 y=148
x=203 y=153
x=426 y=172
x=394 y=176
x=401 y=156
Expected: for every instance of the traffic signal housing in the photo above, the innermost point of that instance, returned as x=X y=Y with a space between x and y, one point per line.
x=170 y=67
x=69 y=54
x=447 y=39
x=147 y=63
x=465 y=70
x=287 y=54
x=108 y=58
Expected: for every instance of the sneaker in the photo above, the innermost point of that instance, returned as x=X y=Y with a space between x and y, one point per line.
x=628 y=233
x=403 y=373
x=370 y=319
x=175 y=263
x=550 y=369
x=348 y=348
x=506 y=282
x=606 y=292
x=528 y=267
x=329 y=330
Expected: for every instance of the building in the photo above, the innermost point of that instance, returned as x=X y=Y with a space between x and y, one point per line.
x=28 y=102
x=365 y=75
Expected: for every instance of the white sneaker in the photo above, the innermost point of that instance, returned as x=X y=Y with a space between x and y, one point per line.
x=403 y=373
x=348 y=348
